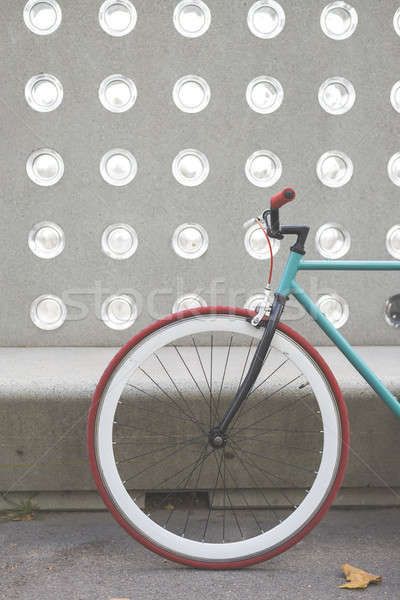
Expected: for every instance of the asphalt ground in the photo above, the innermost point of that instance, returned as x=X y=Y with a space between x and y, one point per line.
x=88 y=556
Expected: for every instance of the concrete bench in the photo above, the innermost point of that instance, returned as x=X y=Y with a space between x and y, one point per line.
x=45 y=394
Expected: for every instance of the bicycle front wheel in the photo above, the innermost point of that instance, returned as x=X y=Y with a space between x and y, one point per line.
x=149 y=442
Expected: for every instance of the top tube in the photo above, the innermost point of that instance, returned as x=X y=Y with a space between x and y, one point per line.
x=349 y=265
x=296 y=263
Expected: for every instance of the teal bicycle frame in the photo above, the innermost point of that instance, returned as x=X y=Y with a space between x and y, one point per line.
x=288 y=285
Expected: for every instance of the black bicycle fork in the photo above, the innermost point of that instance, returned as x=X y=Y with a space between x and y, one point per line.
x=218 y=434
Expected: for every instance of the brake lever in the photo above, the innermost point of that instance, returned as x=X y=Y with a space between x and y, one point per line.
x=253 y=221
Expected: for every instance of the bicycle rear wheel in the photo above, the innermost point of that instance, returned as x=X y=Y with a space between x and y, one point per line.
x=269 y=483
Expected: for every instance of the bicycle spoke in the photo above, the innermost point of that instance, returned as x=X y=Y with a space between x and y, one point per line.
x=224 y=480
x=274 y=445
x=192 y=377
x=183 y=469
x=281 y=462
x=245 y=499
x=196 y=463
x=245 y=363
x=267 y=398
x=211 y=375
x=290 y=406
x=211 y=502
x=249 y=409
x=205 y=377
x=132 y=458
x=188 y=419
x=268 y=473
x=251 y=427
x=156 y=433
x=186 y=479
x=176 y=387
x=161 y=389
x=159 y=462
x=196 y=487
x=236 y=417
x=230 y=501
x=124 y=442
x=277 y=429
x=254 y=481
x=268 y=377
x=234 y=515
x=223 y=376
x=254 y=465
x=244 y=412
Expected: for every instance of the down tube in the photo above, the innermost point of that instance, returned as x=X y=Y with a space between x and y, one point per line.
x=347 y=350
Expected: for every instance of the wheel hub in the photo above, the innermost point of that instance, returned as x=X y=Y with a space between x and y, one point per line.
x=217 y=439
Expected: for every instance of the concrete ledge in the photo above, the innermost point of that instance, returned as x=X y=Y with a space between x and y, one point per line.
x=45 y=394
x=91 y=500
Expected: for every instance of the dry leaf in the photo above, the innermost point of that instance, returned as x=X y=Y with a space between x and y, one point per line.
x=17 y=516
x=169 y=507
x=357 y=578
x=27 y=517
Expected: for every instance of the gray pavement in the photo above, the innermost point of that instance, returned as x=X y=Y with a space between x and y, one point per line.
x=88 y=556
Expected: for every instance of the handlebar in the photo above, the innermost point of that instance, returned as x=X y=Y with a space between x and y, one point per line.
x=271 y=218
x=285 y=196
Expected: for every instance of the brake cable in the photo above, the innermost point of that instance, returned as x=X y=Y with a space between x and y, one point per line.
x=271 y=266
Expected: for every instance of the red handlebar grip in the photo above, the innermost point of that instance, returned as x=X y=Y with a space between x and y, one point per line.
x=285 y=196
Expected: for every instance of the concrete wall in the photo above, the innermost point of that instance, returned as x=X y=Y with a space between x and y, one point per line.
x=228 y=56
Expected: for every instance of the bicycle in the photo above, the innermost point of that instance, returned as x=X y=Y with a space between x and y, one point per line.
x=218 y=437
